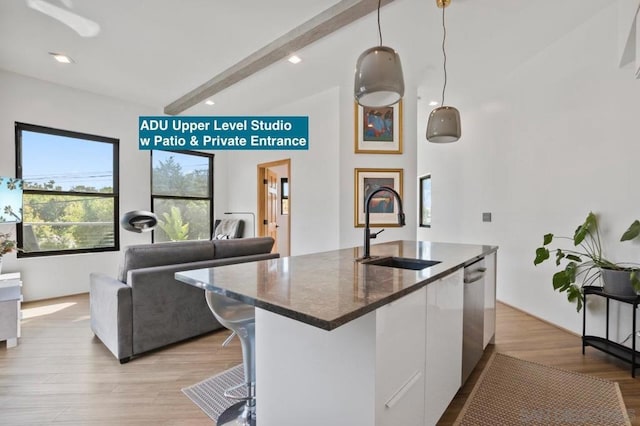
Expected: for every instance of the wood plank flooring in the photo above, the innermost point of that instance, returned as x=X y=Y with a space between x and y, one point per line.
x=61 y=374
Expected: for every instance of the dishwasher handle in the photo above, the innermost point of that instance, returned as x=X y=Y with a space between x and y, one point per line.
x=471 y=278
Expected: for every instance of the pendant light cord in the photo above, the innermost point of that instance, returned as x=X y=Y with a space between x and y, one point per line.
x=379 y=30
x=444 y=53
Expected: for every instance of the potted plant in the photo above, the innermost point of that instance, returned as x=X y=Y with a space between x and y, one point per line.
x=584 y=263
x=7 y=245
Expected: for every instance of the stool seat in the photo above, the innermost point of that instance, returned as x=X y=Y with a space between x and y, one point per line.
x=230 y=311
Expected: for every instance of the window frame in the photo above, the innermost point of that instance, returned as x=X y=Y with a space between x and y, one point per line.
x=422 y=180
x=115 y=195
x=210 y=185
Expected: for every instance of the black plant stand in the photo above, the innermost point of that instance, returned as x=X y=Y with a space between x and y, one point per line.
x=615 y=349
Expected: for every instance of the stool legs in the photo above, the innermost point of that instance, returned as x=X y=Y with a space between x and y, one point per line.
x=239 y=318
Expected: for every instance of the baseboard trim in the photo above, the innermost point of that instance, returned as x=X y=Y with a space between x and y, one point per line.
x=540 y=319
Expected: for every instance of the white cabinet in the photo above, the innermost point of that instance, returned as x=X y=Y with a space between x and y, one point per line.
x=400 y=365
x=443 y=355
x=10 y=298
x=400 y=360
x=489 y=300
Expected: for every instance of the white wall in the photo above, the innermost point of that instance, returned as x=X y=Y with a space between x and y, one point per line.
x=558 y=138
x=350 y=235
x=314 y=181
x=37 y=102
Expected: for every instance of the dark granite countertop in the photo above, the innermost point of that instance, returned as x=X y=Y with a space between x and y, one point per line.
x=329 y=289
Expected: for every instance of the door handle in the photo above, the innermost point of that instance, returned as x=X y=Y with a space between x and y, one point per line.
x=403 y=390
x=468 y=279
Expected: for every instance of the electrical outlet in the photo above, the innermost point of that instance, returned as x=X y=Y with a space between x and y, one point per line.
x=486 y=217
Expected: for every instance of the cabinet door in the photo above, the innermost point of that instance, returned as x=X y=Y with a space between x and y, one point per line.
x=400 y=340
x=443 y=355
x=489 y=300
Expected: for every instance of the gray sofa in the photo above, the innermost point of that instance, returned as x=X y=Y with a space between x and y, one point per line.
x=146 y=308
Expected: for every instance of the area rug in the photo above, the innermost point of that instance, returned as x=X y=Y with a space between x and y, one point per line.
x=511 y=391
x=208 y=394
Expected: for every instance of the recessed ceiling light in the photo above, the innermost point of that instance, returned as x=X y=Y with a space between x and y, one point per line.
x=294 y=59
x=433 y=103
x=63 y=59
x=209 y=102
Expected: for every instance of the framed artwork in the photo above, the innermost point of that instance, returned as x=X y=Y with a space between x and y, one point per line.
x=425 y=201
x=378 y=130
x=383 y=210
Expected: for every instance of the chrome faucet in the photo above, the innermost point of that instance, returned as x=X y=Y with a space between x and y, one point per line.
x=367 y=233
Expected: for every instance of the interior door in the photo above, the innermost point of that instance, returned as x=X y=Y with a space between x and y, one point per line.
x=271 y=207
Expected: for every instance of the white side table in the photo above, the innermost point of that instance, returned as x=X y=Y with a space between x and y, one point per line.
x=10 y=298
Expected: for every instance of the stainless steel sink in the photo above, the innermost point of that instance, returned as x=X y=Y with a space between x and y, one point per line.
x=401 y=262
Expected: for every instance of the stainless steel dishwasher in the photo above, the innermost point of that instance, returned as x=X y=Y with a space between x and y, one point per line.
x=472 y=317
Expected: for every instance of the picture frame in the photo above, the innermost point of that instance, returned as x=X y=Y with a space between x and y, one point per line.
x=425 y=201
x=378 y=130
x=384 y=209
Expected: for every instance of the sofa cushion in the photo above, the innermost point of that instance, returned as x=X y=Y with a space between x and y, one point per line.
x=242 y=247
x=148 y=255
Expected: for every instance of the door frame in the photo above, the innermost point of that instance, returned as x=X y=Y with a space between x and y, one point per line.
x=262 y=167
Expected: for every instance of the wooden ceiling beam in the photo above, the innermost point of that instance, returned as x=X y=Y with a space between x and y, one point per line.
x=332 y=19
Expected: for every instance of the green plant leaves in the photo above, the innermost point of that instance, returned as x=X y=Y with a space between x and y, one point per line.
x=542 y=254
x=583 y=230
x=173 y=225
x=574 y=294
x=584 y=261
x=632 y=232
x=635 y=280
x=560 y=279
x=571 y=270
x=563 y=279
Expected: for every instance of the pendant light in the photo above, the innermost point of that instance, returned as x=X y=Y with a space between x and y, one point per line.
x=378 y=81
x=444 y=121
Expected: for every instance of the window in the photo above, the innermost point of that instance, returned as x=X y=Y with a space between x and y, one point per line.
x=70 y=191
x=284 y=196
x=182 y=195
x=425 y=201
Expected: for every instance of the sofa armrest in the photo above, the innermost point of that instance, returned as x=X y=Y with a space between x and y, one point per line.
x=181 y=309
x=110 y=305
x=166 y=311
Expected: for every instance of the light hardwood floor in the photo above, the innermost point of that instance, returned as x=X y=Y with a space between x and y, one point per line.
x=61 y=374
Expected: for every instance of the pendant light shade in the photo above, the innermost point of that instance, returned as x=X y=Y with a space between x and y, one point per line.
x=378 y=81
x=444 y=122
x=444 y=125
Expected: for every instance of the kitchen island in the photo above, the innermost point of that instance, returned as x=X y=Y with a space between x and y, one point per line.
x=345 y=342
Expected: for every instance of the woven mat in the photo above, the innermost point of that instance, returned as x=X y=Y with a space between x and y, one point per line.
x=511 y=391
x=208 y=394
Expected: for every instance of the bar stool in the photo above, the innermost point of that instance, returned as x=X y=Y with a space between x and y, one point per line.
x=239 y=318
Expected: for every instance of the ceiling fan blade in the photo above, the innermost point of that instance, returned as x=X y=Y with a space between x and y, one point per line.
x=83 y=26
